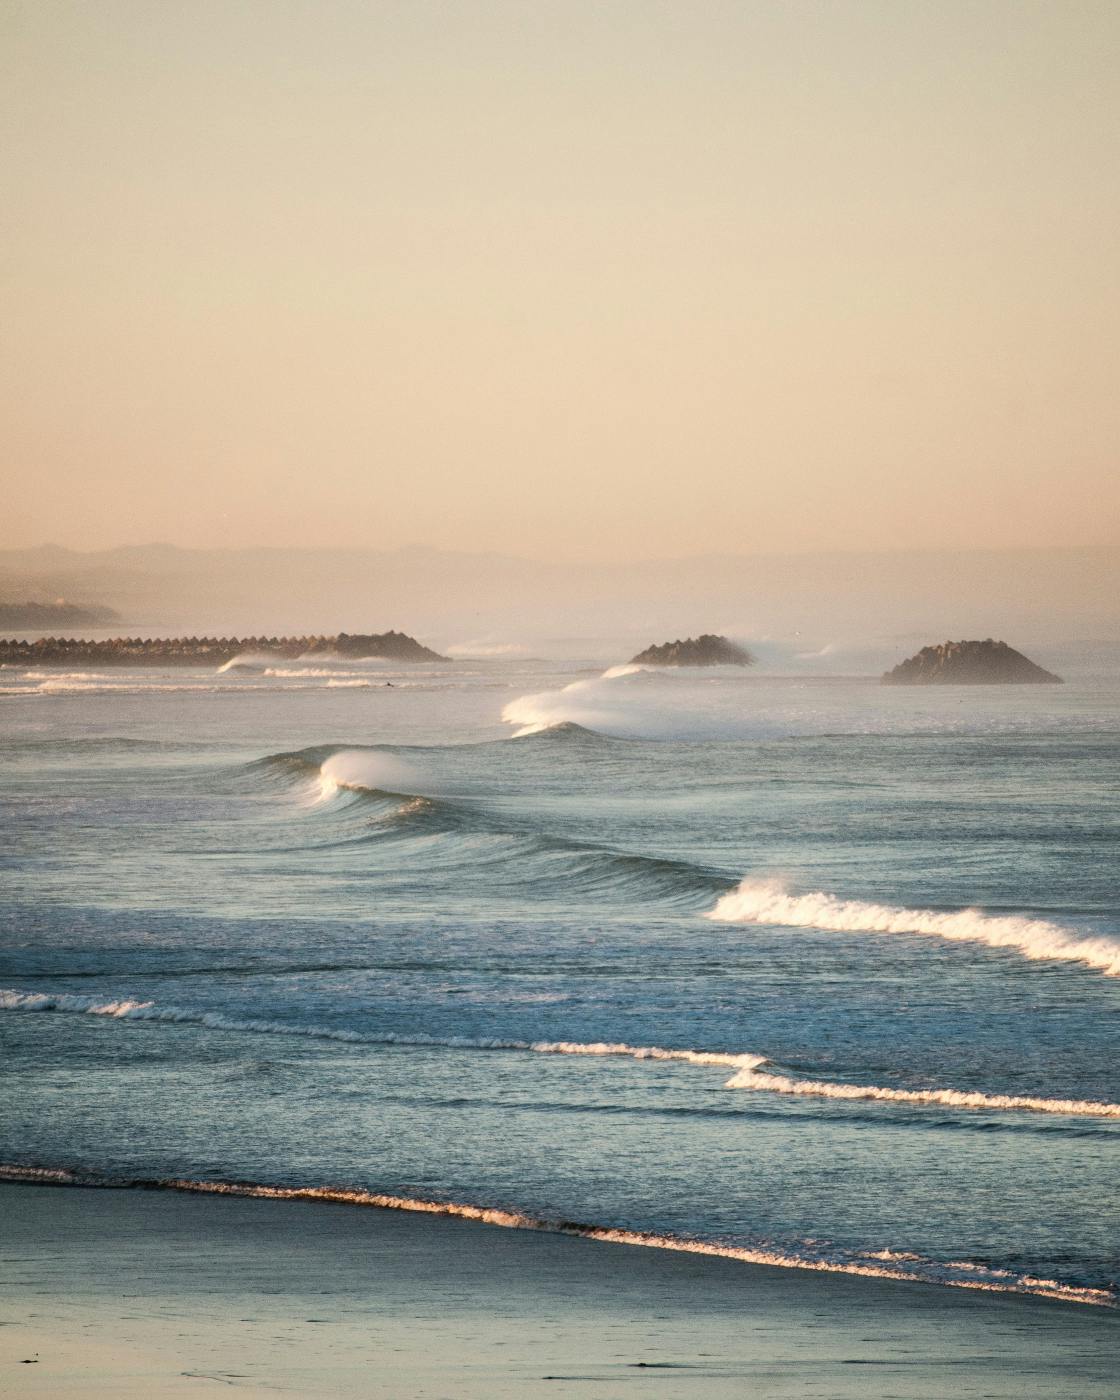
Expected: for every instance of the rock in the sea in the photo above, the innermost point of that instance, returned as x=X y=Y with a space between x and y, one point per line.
x=389 y=646
x=707 y=650
x=970 y=663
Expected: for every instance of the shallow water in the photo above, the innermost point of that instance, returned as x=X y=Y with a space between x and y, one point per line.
x=307 y=930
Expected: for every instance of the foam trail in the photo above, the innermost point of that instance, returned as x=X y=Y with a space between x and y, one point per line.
x=767 y=902
x=750 y=1078
x=745 y=1065
x=904 y=1267
x=302 y=672
x=133 y=1010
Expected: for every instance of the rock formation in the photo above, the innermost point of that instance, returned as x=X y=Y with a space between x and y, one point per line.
x=707 y=650
x=210 y=651
x=970 y=663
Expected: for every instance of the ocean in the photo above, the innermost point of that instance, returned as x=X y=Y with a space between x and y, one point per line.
x=803 y=971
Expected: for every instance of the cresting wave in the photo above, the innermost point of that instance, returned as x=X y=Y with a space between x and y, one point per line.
x=903 y=1267
x=768 y=902
x=746 y=1066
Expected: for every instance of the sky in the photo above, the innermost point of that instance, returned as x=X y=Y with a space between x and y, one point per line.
x=568 y=279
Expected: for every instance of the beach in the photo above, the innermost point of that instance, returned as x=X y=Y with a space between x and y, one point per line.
x=114 y=1293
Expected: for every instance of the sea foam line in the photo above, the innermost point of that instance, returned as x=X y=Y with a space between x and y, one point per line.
x=133 y=1010
x=768 y=902
x=745 y=1066
x=900 y=1266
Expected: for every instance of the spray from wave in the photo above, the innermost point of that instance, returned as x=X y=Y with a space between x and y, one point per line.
x=746 y=1066
x=895 y=1265
x=769 y=902
x=364 y=770
x=641 y=702
x=483 y=649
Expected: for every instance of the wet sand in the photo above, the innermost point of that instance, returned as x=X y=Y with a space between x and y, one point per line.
x=111 y=1293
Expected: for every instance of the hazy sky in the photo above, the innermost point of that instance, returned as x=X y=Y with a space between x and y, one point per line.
x=573 y=279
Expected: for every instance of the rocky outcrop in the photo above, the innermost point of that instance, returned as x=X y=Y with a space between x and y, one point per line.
x=707 y=650
x=210 y=651
x=970 y=663
x=18 y=617
x=388 y=646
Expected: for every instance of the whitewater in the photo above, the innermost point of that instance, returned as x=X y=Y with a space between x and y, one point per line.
x=784 y=969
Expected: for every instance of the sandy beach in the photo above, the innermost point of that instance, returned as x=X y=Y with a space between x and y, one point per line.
x=136 y=1293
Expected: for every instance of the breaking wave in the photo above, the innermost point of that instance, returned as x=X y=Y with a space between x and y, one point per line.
x=894 y=1265
x=746 y=1065
x=638 y=702
x=768 y=902
x=751 y=1078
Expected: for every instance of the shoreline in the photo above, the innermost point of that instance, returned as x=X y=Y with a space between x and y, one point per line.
x=123 y=1292
x=882 y=1265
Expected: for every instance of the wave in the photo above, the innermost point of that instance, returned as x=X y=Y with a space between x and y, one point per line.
x=405 y=795
x=64 y=676
x=903 y=1266
x=746 y=1065
x=131 y=1009
x=638 y=702
x=303 y=672
x=768 y=902
x=751 y=1078
x=247 y=661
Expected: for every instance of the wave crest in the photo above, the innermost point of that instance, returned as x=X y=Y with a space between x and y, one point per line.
x=769 y=902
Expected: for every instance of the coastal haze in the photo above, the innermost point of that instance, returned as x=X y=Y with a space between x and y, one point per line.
x=836 y=613
x=468 y=869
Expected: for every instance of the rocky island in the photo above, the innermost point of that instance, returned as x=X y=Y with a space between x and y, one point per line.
x=706 y=650
x=970 y=663
x=211 y=651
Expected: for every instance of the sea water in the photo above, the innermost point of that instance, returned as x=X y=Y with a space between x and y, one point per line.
x=806 y=971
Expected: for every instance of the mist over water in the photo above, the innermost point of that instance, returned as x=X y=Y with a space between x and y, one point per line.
x=827 y=972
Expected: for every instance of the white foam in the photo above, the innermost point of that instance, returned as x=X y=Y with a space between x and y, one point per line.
x=637 y=702
x=746 y=1065
x=768 y=902
x=750 y=1078
x=303 y=672
x=130 y=1009
x=366 y=770
x=894 y=1265
x=248 y=661
x=480 y=650
x=64 y=676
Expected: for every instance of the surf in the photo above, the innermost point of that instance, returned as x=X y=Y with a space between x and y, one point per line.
x=902 y=1266
x=769 y=902
x=746 y=1065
